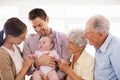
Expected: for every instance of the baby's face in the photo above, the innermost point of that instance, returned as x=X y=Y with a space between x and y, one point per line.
x=45 y=44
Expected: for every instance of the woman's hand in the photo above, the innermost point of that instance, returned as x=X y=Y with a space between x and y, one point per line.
x=64 y=66
x=28 y=61
x=26 y=65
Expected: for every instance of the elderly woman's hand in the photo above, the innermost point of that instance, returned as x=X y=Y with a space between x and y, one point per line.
x=63 y=66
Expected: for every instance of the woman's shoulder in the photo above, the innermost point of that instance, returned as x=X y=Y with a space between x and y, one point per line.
x=4 y=54
x=2 y=51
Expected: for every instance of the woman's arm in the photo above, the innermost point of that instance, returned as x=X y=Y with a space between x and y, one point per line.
x=6 y=70
x=65 y=68
x=27 y=63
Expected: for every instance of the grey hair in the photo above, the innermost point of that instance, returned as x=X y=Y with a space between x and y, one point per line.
x=100 y=23
x=78 y=36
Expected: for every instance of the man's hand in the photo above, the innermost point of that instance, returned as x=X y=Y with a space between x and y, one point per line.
x=45 y=60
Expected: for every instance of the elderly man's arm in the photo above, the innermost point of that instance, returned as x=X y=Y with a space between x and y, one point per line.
x=115 y=58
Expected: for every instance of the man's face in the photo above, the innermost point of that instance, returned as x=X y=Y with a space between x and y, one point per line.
x=91 y=34
x=40 y=26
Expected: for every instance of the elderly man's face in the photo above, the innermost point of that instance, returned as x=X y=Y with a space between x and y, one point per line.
x=91 y=34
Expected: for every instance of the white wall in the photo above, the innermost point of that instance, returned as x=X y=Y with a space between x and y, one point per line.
x=64 y=14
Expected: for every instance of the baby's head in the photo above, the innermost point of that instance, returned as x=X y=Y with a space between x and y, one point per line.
x=45 y=43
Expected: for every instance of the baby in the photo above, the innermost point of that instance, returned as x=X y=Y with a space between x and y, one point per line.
x=45 y=46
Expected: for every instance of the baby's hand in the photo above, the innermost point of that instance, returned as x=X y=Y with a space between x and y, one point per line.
x=63 y=61
x=30 y=56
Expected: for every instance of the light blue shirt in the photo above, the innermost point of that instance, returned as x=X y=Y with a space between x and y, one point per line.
x=107 y=60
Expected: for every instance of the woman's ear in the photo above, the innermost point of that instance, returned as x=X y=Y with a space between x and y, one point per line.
x=10 y=37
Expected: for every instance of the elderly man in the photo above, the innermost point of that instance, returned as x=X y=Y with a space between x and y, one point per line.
x=107 y=55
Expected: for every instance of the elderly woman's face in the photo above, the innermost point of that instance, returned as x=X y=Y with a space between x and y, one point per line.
x=72 y=47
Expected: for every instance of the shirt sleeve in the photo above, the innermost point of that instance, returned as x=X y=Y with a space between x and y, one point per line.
x=64 y=55
x=115 y=61
x=26 y=52
x=26 y=48
x=6 y=70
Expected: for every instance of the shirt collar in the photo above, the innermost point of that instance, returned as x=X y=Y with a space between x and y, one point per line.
x=79 y=59
x=105 y=44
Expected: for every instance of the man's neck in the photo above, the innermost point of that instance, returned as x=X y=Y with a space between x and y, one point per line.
x=101 y=41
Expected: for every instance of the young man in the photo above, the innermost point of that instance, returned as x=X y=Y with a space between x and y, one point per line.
x=40 y=21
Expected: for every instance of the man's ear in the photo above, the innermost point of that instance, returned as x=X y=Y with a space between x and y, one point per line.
x=102 y=34
x=47 y=19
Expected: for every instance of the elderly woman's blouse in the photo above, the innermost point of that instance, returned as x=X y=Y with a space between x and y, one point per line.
x=83 y=66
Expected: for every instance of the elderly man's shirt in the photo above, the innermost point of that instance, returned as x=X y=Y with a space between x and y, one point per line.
x=107 y=60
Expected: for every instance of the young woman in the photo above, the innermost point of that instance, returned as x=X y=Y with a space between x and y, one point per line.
x=12 y=65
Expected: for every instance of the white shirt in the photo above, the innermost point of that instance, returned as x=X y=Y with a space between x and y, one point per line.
x=16 y=57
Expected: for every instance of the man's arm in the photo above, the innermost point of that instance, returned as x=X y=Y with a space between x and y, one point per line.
x=65 y=55
x=26 y=52
x=45 y=60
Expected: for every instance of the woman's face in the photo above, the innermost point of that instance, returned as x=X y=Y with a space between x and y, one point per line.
x=72 y=47
x=19 y=39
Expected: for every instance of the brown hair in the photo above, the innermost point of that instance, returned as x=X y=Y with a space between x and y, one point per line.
x=12 y=26
x=37 y=12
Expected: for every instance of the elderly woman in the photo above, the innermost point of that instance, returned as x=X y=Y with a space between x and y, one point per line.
x=82 y=63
